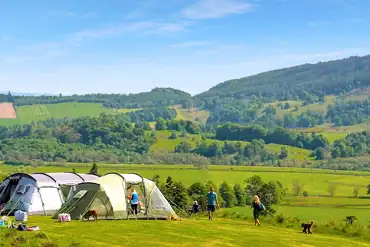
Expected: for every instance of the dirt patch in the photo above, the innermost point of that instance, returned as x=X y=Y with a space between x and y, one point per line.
x=7 y=111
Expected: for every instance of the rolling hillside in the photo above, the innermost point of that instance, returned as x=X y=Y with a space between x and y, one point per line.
x=325 y=78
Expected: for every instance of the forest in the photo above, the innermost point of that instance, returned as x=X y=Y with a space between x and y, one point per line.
x=155 y=98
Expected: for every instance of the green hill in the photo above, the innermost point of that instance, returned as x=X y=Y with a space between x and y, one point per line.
x=303 y=81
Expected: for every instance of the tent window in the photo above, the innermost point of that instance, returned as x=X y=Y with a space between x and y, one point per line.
x=1 y=188
x=80 y=194
x=22 y=189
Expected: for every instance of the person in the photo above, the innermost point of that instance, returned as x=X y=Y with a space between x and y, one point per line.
x=196 y=207
x=212 y=203
x=256 y=210
x=134 y=200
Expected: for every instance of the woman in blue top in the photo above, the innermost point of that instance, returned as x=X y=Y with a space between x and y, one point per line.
x=134 y=200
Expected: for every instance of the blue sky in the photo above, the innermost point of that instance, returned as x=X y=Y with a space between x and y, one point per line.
x=123 y=46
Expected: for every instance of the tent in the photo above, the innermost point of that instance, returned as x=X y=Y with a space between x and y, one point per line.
x=108 y=195
x=38 y=193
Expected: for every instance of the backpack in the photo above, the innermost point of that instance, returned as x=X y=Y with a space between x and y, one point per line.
x=262 y=207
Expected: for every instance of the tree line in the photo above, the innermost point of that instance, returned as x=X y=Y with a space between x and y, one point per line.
x=157 y=97
x=276 y=135
x=180 y=197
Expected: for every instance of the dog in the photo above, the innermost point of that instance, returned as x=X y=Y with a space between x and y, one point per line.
x=171 y=218
x=92 y=213
x=307 y=227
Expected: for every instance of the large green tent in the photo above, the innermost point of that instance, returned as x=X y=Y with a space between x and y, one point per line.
x=108 y=195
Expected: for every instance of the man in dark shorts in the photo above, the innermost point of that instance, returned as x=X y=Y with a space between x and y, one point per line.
x=212 y=203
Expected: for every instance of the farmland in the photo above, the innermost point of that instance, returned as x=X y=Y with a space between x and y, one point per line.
x=30 y=113
x=7 y=111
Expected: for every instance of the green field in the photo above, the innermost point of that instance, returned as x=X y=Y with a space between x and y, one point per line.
x=191 y=114
x=165 y=144
x=190 y=232
x=30 y=113
x=296 y=107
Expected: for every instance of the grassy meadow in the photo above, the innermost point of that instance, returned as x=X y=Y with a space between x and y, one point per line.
x=30 y=113
x=192 y=114
x=190 y=232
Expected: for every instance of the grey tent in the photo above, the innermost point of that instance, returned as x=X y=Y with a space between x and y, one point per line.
x=38 y=193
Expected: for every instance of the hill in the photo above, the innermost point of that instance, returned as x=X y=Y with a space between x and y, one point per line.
x=156 y=97
x=300 y=82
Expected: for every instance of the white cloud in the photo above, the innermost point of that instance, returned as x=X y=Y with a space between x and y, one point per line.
x=208 y=9
x=148 y=27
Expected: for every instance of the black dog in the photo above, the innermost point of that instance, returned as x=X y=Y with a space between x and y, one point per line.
x=307 y=226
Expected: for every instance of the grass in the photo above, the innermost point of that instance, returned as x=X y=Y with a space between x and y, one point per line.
x=191 y=114
x=30 y=113
x=165 y=144
x=190 y=232
x=316 y=107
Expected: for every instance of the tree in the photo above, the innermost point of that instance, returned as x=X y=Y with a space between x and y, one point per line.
x=183 y=147
x=332 y=189
x=175 y=192
x=197 y=192
x=173 y=135
x=227 y=195
x=283 y=153
x=254 y=185
x=160 y=124
x=297 y=187
x=156 y=179
x=94 y=169
x=240 y=195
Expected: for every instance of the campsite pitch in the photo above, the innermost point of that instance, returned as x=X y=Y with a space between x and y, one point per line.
x=190 y=232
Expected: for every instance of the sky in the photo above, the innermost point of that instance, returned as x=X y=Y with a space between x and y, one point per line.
x=131 y=46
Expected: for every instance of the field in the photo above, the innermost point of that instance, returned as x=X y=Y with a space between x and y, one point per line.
x=190 y=232
x=165 y=144
x=30 y=113
x=7 y=111
x=225 y=231
x=192 y=114
x=296 y=106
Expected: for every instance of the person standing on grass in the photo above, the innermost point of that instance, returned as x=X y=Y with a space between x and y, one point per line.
x=212 y=203
x=134 y=200
x=257 y=208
